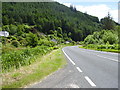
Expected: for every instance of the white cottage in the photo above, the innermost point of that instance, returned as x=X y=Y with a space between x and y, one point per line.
x=4 y=33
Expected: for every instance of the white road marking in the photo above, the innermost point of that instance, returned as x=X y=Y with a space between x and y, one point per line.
x=79 y=69
x=108 y=58
x=68 y=57
x=90 y=81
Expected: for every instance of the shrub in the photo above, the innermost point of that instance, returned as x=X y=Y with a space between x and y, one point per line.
x=102 y=37
x=15 y=43
x=32 y=40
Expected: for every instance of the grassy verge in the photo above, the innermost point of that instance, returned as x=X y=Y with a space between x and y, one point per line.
x=106 y=50
x=35 y=72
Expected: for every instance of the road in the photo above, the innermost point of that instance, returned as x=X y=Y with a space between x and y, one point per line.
x=85 y=69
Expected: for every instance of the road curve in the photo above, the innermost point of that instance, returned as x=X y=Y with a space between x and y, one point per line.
x=85 y=69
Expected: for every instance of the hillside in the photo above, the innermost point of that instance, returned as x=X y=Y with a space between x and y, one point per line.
x=49 y=17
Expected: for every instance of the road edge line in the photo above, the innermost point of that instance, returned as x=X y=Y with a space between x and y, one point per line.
x=68 y=57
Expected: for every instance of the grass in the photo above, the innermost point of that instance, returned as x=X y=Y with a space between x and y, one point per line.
x=27 y=75
x=106 y=50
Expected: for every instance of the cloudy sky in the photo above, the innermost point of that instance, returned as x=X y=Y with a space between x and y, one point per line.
x=99 y=8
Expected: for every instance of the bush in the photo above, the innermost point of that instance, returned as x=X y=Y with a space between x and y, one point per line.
x=45 y=42
x=15 y=43
x=102 y=37
x=32 y=40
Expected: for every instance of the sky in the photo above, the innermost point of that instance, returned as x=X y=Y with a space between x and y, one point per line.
x=99 y=8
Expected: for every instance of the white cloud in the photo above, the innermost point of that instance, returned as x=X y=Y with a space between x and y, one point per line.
x=95 y=10
x=100 y=10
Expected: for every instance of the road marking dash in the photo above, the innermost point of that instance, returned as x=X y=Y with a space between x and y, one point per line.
x=90 y=81
x=68 y=57
x=79 y=69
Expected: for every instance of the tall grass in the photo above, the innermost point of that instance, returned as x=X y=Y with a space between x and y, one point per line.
x=15 y=59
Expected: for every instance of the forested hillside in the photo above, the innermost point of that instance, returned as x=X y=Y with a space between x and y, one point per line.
x=49 y=18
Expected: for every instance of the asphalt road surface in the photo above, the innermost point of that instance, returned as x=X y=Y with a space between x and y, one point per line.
x=85 y=69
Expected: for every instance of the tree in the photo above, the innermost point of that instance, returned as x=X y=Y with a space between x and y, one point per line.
x=13 y=29
x=5 y=20
x=108 y=23
x=20 y=20
x=59 y=32
x=11 y=21
x=89 y=40
x=73 y=8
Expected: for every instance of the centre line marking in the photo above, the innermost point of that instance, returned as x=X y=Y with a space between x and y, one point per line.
x=68 y=57
x=79 y=69
x=90 y=81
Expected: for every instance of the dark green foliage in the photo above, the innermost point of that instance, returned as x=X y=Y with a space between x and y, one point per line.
x=46 y=17
x=5 y=20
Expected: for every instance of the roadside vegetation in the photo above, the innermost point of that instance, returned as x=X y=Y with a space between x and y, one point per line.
x=16 y=59
x=43 y=66
x=106 y=39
